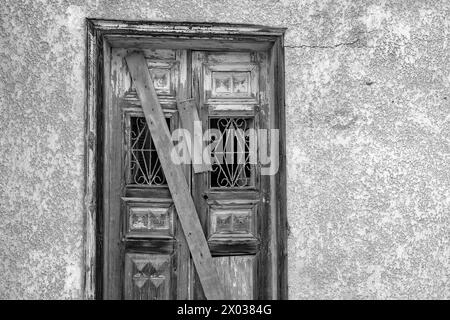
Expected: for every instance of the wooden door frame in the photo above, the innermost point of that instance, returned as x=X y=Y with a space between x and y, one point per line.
x=104 y=34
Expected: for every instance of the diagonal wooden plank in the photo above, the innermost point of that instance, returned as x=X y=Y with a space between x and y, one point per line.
x=191 y=122
x=176 y=180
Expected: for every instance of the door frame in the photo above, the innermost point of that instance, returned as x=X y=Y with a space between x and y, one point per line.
x=104 y=34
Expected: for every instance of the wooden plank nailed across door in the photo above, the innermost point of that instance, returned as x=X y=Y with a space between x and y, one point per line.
x=175 y=178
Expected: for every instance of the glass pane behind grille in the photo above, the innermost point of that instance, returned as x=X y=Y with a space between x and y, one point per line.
x=231 y=166
x=145 y=167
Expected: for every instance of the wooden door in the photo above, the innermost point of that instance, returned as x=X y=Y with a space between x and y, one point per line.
x=145 y=254
x=233 y=198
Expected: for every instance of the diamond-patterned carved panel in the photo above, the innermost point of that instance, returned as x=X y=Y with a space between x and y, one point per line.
x=147 y=276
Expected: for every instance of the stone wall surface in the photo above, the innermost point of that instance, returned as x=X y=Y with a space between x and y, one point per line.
x=367 y=97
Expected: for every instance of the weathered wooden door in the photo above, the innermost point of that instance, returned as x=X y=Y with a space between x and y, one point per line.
x=232 y=199
x=144 y=250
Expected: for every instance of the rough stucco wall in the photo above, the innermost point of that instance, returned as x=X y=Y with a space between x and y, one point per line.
x=368 y=141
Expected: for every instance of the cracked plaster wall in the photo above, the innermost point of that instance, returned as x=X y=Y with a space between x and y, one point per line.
x=367 y=96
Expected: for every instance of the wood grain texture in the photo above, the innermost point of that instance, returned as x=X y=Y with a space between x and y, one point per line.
x=191 y=29
x=281 y=179
x=190 y=121
x=237 y=274
x=175 y=177
x=91 y=223
x=184 y=269
x=113 y=186
x=142 y=42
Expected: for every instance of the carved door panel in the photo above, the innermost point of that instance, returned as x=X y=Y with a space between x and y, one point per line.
x=232 y=199
x=145 y=255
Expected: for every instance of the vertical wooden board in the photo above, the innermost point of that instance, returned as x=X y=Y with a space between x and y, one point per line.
x=184 y=268
x=112 y=254
x=281 y=192
x=237 y=275
x=92 y=200
x=268 y=276
x=199 y=180
x=191 y=122
x=176 y=180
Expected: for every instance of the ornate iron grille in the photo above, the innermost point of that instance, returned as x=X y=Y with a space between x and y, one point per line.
x=230 y=154
x=144 y=164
